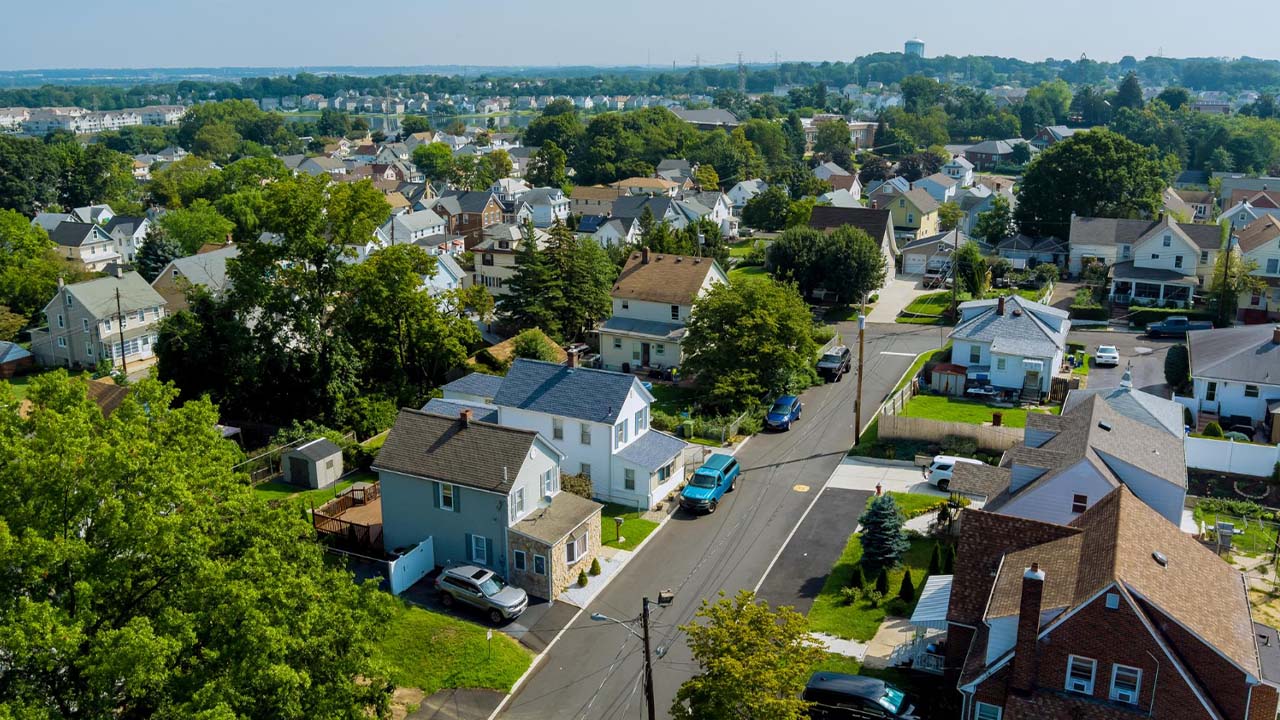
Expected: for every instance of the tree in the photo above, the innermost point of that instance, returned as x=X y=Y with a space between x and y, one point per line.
x=1020 y=154
x=1175 y=97
x=157 y=251
x=874 y=167
x=847 y=261
x=533 y=344
x=883 y=539
x=1129 y=94
x=799 y=212
x=586 y=275
x=10 y=323
x=995 y=224
x=753 y=662
x=194 y=227
x=747 y=339
x=180 y=183
x=706 y=178
x=1092 y=174
x=435 y=160
x=1177 y=367
x=547 y=167
x=28 y=175
x=1233 y=276
x=216 y=141
x=411 y=124
x=794 y=130
x=950 y=215
x=497 y=165
x=767 y=210
x=534 y=290
x=833 y=141
x=971 y=274
x=29 y=265
x=226 y=608
x=935 y=559
x=333 y=123
x=882 y=582
x=907 y=590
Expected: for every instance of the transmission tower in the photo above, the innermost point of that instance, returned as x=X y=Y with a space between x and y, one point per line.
x=742 y=75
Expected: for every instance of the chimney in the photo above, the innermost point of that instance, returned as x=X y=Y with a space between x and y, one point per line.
x=1025 y=661
x=61 y=283
x=572 y=352
x=1275 y=331
x=465 y=416
x=644 y=256
x=875 y=204
x=1000 y=306
x=998 y=186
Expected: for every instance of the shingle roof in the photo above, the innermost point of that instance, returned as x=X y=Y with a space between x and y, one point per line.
x=456 y=201
x=1025 y=243
x=98 y=296
x=126 y=223
x=669 y=279
x=873 y=222
x=652 y=450
x=478 y=384
x=1244 y=353
x=595 y=192
x=49 y=221
x=1117 y=231
x=711 y=116
x=1018 y=332
x=207 y=269
x=480 y=455
x=318 y=449
x=1128 y=270
x=543 y=195
x=581 y=393
x=942 y=179
x=11 y=352
x=1258 y=233
x=655 y=328
x=1151 y=410
x=453 y=408
x=75 y=234
x=552 y=523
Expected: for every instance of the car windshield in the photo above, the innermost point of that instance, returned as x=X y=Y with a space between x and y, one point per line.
x=892 y=699
x=832 y=358
x=492 y=586
x=1107 y=350
x=703 y=480
x=781 y=408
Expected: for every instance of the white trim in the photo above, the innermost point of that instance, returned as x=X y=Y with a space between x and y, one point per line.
x=1137 y=686
x=375 y=468
x=979 y=706
x=1068 y=681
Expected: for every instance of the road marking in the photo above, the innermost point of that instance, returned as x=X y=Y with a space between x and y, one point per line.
x=801 y=488
x=899 y=354
x=787 y=539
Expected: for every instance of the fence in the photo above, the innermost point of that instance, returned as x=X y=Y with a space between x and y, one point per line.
x=1229 y=456
x=999 y=439
x=1249 y=536
x=411 y=566
x=894 y=404
x=268 y=464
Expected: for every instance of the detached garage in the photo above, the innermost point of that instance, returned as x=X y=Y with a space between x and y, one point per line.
x=316 y=464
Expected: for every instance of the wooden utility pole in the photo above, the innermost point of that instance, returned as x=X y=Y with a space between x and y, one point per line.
x=648 y=662
x=124 y=364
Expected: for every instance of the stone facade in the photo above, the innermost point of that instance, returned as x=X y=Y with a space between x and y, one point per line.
x=532 y=582
x=562 y=573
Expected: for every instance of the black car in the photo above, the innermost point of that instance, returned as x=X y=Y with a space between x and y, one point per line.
x=835 y=363
x=835 y=696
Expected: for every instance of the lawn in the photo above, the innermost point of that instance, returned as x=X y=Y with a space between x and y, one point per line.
x=932 y=304
x=671 y=399
x=634 y=529
x=916 y=504
x=860 y=621
x=1252 y=536
x=280 y=490
x=432 y=651
x=950 y=409
x=916 y=366
x=751 y=272
x=742 y=248
x=1084 y=368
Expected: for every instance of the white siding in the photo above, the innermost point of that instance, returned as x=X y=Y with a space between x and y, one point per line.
x=1163 y=496
x=1051 y=502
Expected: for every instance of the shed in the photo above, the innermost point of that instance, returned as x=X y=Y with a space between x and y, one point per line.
x=948 y=379
x=315 y=464
x=13 y=358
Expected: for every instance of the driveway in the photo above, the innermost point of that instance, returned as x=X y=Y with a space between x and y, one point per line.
x=797 y=576
x=902 y=476
x=894 y=296
x=1145 y=354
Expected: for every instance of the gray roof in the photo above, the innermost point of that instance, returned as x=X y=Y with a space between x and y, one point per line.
x=75 y=234
x=1126 y=270
x=479 y=455
x=1244 y=353
x=1118 y=231
x=1151 y=410
x=49 y=221
x=582 y=393
x=318 y=449
x=207 y=269
x=552 y=523
x=655 y=328
x=127 y=223
x=1026 y=243
x=478 y=384
x=670 y=164
x=632 y=206
x=98 y=296
x=406 y=224
x=710 y=116
x=831 y=168
x=466 y=201
x=1014 y=333
x=453 y=408
x=11 y=352
x=932 y=244
x=544 y=196
x=652 y=450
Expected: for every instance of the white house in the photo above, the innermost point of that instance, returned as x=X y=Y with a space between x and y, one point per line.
x=449 y=276
x=652 y=300
x=618 y=231
x=744 y=190
x=549 y=206
x=941 y=187
x=1259 y=243
x=599 y=421
x=960 y=169
x=1012 y=342
x=1152 y=261
x=1236 y=371
x=827 y=170
x=128 y=232
x=410 y=227
x=111 y=319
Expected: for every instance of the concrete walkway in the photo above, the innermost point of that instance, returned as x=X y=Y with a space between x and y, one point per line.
x=840 y=646
x=894 y=296
x=894 y=631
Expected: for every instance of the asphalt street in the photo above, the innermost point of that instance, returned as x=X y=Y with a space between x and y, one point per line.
x=1146 y=355
x=801 y=570
x=594 y=669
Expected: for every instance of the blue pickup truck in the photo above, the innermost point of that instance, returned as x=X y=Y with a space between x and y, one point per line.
x=1176 y=326
x=717 y=476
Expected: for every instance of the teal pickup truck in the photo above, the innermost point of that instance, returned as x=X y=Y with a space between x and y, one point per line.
x=717 y=476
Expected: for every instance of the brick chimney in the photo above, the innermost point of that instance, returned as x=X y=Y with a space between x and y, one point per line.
x=1000 y=306
x=572 y=352
x=1275 y=331
x=1025 y=660
x=875 y=204
x=465 y=417
x=644 y=256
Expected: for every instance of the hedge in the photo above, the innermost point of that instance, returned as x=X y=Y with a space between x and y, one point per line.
x=1153 y=315
x=1079 y=312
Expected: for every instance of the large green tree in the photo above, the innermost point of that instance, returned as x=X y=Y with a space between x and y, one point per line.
x=30 y=266
x=1092 y=174
x=547 y=167
x=846 y=261
x=157 y=251
x=142 y=578
x=768 y=210
x=971 y=272
x=997 y=223
x=534 y=291
x=435 y=160
x=28 y=175
x=883 y=539
x=195 y=226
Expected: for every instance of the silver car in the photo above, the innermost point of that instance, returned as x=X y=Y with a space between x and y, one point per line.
x=482 y=589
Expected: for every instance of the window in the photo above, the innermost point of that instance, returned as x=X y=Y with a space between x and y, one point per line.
x=584 y=469
x=1177 y=261
x=575 y=549
x=620 y=434
x=1204 y=256
x=641 y=417
x=1080 y=672
x=1155 y=256
x=635 y=351
x=85 y=323
x=626 y=304
x=584 y=433
x=518 y=505
x=539 y=565
x=661 y=348
x=61 y=322
x=521 y=559
x=68 y=300
x=479 y=549
x=617 y=343
x=1251 y=391
x=1273 y=266
x=902 y=203
x=328 y=465
x=106 y=324
x=983 y=711
x=975 y=354
x=557 y=429
x=446 y=497
x=1125 y=683
x=1113 y=601
x=549 y=482
x=1255 y=299
x=62 y=342
x=675 y=312
x=911 y=218
x=142 y=315
x=629 y=479
x=88 y=349
x=1000 y=363
x=1168 y=241
x=1124 y=251
x=1211 y=392
x=1079 y=503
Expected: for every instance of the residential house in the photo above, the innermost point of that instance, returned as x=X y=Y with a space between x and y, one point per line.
x=207 y=270
x=1243 y=213
x=129 y=232
x=487 y=495
x=412 y=227
x=549 y=206
x=1025 y=252
x=708 y=119
x=828 y=170
x=1201 y=203
x=931 y=256
x=647 y=186
x=449 y=276
x=719 y=210
x=977 y=199
x=322 y=165
x=653 y=298
x=988 y=154
x=1114 y=615
x=598 y=419
x=1262 y=199
x=1153 y=262
x=876 y=223
x=1236 y=371
x=940 y=186
x=960 y=170
x=495 y=256
x=593 y=199
x=1051 y=135
x=677 y=170
x=1259 y=242
x=614 y=231
x=1174 y=206
x=50 y=220
x=839 y=198
x=468 y=213
x=895 y=184
x=509 y=189
x=87 y=243
x=96 y=214
x=744 y=190
x=520 y=159
x=849 y=183
x=662 y=208
x=111 y=319
x=915 y=212
x=1192 y=180
x=1014 y=343
x=14 y=359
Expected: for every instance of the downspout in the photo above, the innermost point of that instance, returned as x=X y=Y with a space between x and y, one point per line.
x=1154 y=683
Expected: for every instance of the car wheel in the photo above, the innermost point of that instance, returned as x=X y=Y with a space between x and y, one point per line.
x=495 y=617
x=944 y=484
x=733 y=484
x=446 y=599
x=712 y=507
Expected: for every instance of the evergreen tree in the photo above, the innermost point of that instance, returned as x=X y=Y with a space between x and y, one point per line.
x=794 y=130
x=157 y=251
x=882 y=582
x=534 y=291
x=949 y=567
x=935 y=559
x=907 y=591
x=1129 y=94
x=883 y=540
x=586 y=276
x=856 y=580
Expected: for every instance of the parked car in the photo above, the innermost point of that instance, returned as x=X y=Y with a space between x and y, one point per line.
x=1107 y=355
x=481 y=589
x=835 y=363
x=785 y=411
x=1176 y=326
x=717 y=476
x=939 y=471
x=836 y=696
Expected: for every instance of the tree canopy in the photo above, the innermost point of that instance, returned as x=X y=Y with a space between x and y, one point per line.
x=846 y=261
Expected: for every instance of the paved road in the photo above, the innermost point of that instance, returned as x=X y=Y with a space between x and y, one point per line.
x=802 y=568
x=593 y=671
x=1148 y=367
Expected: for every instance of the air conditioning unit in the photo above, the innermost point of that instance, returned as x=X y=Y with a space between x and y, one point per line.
x=1125 y=696
x=1078 y=685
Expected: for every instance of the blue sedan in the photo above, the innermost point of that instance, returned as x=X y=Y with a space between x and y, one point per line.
x=785 y=411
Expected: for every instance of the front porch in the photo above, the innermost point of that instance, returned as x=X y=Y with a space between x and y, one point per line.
x=926 y=649
x=1152 y=287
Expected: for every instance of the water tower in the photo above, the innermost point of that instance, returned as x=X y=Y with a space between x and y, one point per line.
x=914 y=46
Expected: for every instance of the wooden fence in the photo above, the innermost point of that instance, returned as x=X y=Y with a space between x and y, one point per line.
x=897 y=427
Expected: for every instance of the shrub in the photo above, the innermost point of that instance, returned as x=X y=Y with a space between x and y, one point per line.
x=1144 y=316
x=823 y=333
x=756 y=255
x=855 y=579
x=882 y=582
x=1241 y=508
x=533 y=345
x=579 y=485
x=883 y=541
x=666 y=422
x=949 y=567
x=907 y=590
x=595 y=566
x=964 y=447
x=582 y=578
x=1177 y=368
x=874 y=597
x=850 y=595
x=935 y=559
x=1213 y=429
x=1189 y=420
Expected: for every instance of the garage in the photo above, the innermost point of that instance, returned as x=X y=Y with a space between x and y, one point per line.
x=913 y=263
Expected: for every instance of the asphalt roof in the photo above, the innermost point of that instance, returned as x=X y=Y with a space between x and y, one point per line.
x=75 y=234
x=1244 y=353
x=710 y=116
x=478 y=384
x=552 y=523
x=479 y=455
x=1151 y=410
x=1258 y=233
x=652 y=450
x=318 y=449
x=581 y=393
x=670 y=279
x=1120 y=231
x=207 y=269
x=670 y=331
x=454 y=408
x=1018 y=332
x=873 y=222
x=11 y=352
x=98 y=296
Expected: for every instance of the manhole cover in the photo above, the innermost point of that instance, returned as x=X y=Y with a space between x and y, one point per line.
x=1142 y=351
x=801 y=488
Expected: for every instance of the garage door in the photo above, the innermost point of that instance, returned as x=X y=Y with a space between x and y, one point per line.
x=913 y=265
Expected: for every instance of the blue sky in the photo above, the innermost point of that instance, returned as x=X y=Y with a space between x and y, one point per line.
x=184 y=33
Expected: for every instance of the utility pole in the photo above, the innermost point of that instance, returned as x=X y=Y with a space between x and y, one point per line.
x=742 y=75
x=124 y=364
x=648 y=661
x=857 y=400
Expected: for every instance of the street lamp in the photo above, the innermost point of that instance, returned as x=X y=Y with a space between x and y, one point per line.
x=665 y=598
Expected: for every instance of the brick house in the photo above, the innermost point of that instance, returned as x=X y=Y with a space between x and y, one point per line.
x=468 y=213
x=1117 y=614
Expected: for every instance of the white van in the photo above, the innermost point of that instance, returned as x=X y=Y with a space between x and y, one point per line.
x=939 y=471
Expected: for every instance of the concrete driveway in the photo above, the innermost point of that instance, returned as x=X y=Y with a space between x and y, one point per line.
x=894 y=296
x=855 y=473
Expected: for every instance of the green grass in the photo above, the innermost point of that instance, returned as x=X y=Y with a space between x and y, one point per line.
x=839 y=664
x=1083 y=369
x=1253 y=537
x=753 y=272
x=671 y=399
x=860 y=621
x=916 y=504
x=867 y=440
x=932 y=304
x=280 y=490
x=950 y=409
x=704 y=441
x=634 y=528
x=916 y=366
x=375 y=442
x=432 y=651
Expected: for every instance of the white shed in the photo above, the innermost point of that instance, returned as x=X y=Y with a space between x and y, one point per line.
x=315 y=464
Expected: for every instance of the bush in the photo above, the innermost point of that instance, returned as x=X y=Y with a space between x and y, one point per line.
x=874 y=597
x=666 y=422
x=1177 y=368
x=907 y=590
x=533 y=345
x=1213 y=430
x=882 y=582
x=756 y=255
x=582 y=578
x=595 y=566
x=856 y=579
x=850 y=595
x=579 y=485
x=935 y=559
x=964 y=447
x=823 y=333
x=1239 y=508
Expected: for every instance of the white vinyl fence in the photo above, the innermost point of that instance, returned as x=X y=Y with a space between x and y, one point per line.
x=411 y=567
x=1241 y=458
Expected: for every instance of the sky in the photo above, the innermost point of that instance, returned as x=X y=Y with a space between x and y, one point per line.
x=294 y=33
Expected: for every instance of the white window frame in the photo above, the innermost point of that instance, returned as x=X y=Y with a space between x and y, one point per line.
x=1093 y=674
x=584 y=433
x=619 y=434
x=584 y=469
x=576 y=549
x=479 y=549
x=640 y=419
x=447 y=492
x=62 y=342
x=557 y=428
x=1114 y=694
x=518 y=503
x=987 y=711
x=520 y=560
x=617 y=343
x=975 y=354
x=629 y=479
x=84 y=322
